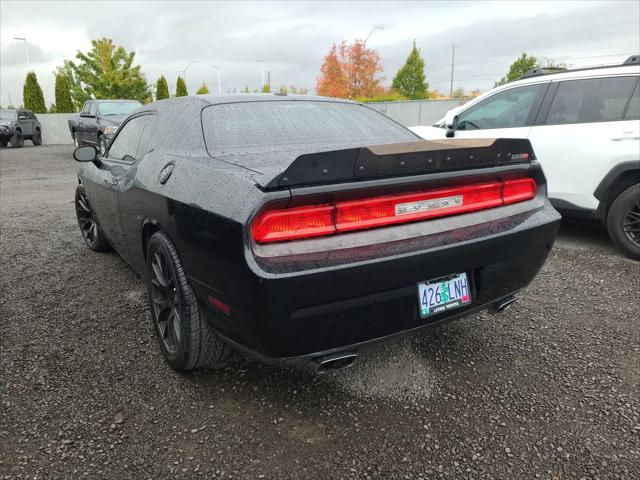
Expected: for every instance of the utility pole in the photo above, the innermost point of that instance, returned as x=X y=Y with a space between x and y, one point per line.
x=269 y=79
x=453 y=58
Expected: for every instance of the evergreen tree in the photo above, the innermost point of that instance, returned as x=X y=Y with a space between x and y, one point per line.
x=32 y=96
x=181 y=88
x=203 y=90
x=162 y=88
x=63 y=104
x=410 y=80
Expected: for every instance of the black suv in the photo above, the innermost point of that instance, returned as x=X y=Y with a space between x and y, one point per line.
x=16 y=126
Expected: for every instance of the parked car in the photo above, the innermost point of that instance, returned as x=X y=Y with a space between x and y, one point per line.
x=99 y=121
x=584 y=126
x=18 y=125
x=299 y=229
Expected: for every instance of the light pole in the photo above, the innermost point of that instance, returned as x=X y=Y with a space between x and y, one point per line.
x=261 y=61
x=371 y=33
x=184 y=72
x=26 y=50
x=217 y=67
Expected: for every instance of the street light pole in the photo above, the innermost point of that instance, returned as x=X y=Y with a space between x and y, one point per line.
x=217 y=67
x=184 y=72
x=261 y=61
x=26 y=51
x=371 y=33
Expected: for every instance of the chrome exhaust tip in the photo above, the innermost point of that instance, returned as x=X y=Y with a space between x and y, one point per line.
x=333 y=361
x=502 y=304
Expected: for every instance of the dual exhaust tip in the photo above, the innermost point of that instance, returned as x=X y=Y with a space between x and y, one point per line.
x=340 y=360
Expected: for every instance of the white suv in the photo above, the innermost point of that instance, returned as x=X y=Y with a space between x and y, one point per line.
x=584 y=126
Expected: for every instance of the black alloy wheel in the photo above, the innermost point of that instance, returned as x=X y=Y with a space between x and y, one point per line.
x=623 y=221
x=631 y=223
x=91 y=234
x=165 y=301
x=187 y=340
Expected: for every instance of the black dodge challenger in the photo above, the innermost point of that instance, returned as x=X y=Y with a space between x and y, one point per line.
x=298 y=229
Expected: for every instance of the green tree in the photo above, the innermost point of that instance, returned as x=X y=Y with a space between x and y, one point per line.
x=203 y=90
x=78 y=94
x=181 y=88
x=63 y=104
x=107 y=71
x=32 y=96
x=410 y=81
x=266 y=88
x=162 y=88
x=518 y=68
x=52 y=108
x=245 y=89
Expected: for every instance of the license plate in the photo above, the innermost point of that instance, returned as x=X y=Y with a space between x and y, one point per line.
x=443 y=295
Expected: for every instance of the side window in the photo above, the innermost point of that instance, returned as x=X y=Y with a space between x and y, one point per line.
x=590 y=100
x=85 y=107
x=146 y=144
x=633 y=110
x=125 y=145
x=506 y=109
x=94 y=108
x=32 y=116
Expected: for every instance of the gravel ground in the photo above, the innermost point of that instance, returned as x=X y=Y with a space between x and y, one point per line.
x=548 y=389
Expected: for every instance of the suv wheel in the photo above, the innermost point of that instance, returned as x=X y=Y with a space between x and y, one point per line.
x=36 y=139
x=17 y=140
x=623 y=221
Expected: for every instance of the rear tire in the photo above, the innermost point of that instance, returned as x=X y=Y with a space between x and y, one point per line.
x=17 y=140
x=186 y=339
x=36 y=139
x=4 y=143
x=623 y=222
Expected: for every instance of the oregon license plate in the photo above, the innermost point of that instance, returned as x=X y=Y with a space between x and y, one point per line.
x=443 y=295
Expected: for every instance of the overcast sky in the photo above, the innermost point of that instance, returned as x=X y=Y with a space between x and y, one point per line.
x=293 y=37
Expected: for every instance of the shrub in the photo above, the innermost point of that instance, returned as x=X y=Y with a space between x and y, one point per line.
x=32 y=94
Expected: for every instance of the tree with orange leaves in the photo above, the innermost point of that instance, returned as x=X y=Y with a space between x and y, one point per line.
x=350 y=71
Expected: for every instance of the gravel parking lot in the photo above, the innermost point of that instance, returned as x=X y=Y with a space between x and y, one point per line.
x=548 y=389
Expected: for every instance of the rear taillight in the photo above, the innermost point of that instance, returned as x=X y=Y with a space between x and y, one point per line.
x=318 y=220
x=518 y=190
x=292 y=223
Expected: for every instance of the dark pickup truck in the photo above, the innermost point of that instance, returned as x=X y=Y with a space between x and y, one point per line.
x=99 y=120
x=19 y=125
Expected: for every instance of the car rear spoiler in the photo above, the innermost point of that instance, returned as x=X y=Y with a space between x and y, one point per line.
x=401 y=159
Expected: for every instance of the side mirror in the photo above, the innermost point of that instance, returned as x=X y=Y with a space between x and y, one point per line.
x=86 y=153
x=451 y=122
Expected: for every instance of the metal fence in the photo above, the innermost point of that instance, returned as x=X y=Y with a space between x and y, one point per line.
x=416 y=112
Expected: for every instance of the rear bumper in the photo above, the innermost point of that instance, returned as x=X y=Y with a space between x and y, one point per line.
x=289 y=313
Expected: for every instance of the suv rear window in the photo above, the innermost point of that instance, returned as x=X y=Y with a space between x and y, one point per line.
x=590 y=100
x=233 y=127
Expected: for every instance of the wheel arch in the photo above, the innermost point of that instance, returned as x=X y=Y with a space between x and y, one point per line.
x=619 y=178
x=149 y=227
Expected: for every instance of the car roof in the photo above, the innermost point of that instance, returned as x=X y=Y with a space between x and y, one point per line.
x=111 y=100
x=575 y=74
x=216 y=99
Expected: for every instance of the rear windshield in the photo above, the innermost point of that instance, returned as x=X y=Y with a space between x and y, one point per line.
x=234 y=127
x=117 y=108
